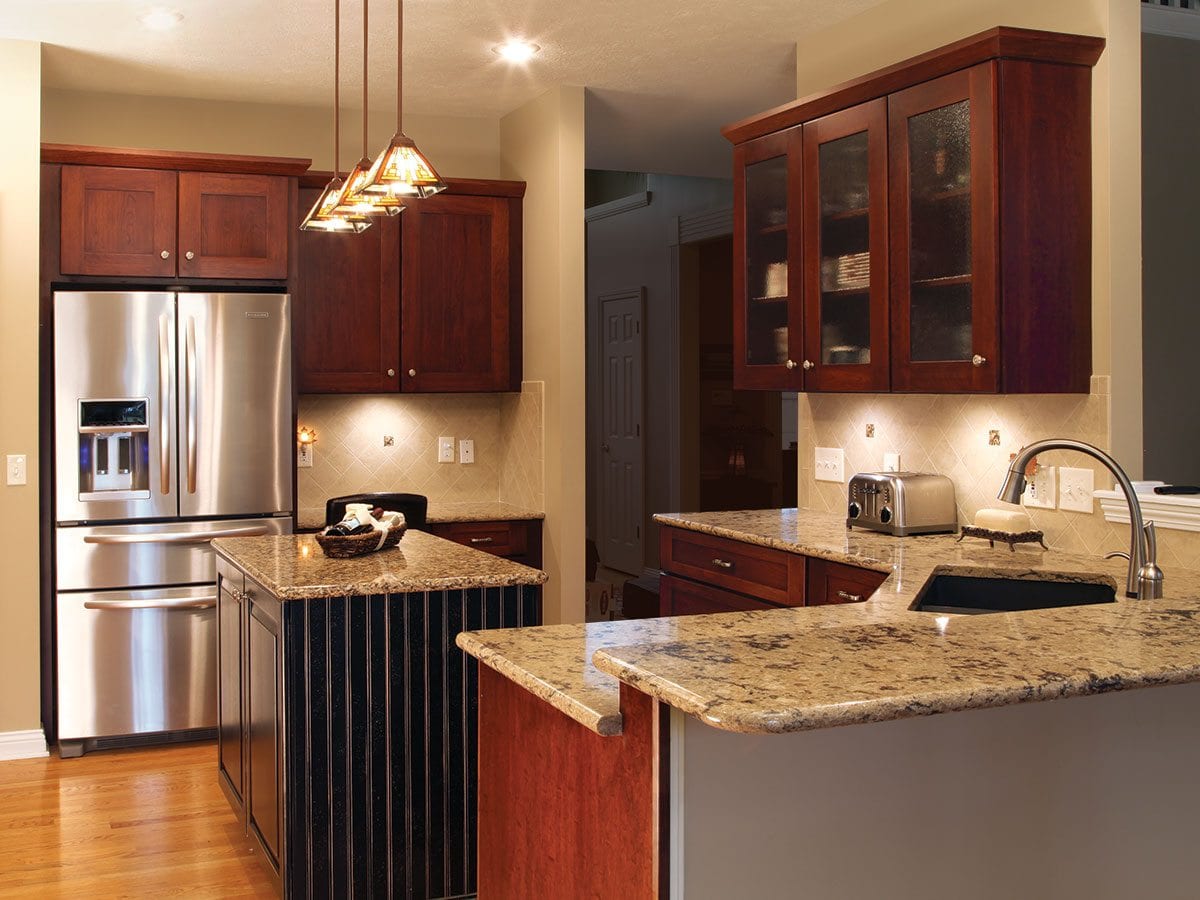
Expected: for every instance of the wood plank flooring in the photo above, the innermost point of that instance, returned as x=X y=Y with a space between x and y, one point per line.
x=150 y=822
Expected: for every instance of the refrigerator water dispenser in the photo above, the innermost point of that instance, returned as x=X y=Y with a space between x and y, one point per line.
x=114 y=450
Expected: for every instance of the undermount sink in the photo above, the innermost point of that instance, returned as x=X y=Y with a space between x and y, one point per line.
x=971 y=595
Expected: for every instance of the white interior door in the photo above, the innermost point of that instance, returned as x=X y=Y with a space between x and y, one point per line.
x=621 y=453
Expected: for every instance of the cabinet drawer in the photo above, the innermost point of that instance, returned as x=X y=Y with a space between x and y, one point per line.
x=772 y=575
x=830 y=582
x=680 y=597
x=516 y=540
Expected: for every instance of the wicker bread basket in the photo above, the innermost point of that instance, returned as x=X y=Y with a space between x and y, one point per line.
x=347 y=546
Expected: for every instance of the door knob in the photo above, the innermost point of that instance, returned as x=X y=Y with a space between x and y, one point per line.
x=978 y=360
x=166 y=254
x=809 y=365
x=412 y=373
x=791 y=364
x=189 y=255
x=605 y=447
x=391 y=373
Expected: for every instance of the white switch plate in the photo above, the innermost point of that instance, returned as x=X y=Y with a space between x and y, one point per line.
x=445 y=449
x=1075 y=489
x=1041 y=491
x=829 y=464
x=466 y=451
x=15 y=468
x=304 y=456
x=891 y=461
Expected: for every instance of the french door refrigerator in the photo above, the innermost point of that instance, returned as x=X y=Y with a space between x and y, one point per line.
x=173 y=423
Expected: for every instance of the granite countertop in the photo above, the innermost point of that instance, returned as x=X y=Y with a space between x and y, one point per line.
x=312 y=518
x=293 y=567
x=816 y=667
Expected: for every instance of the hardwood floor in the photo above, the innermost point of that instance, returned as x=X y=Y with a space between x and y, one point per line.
x=123 y=823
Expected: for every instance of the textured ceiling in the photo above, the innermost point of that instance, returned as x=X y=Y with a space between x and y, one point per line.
x=658 y=72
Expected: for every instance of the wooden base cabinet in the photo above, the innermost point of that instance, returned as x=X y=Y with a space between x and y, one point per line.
x=945 y=238
x=517 y=539
x=348 y=734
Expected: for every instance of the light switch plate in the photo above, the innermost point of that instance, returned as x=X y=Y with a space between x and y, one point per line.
x=466 y=451
x=829 y=464
x=15 y=468
x=891 y=461
x=1075 y=489
x=1041 y=491
x=445 y=449
x=304 y=456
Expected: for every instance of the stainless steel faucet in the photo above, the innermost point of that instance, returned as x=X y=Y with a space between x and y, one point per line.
x=1145 y=580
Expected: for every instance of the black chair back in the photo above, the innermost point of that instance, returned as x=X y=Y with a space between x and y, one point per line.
x=415 y=507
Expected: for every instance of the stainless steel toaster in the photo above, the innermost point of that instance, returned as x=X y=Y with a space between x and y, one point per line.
x=902 y=503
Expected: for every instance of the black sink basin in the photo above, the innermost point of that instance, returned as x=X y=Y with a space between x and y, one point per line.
x=967 y=594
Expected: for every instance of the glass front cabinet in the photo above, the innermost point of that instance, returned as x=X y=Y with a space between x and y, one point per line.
x=933 y=238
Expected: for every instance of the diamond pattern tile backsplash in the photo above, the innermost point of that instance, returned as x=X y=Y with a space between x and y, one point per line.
x=949 y=435
x=350 y=454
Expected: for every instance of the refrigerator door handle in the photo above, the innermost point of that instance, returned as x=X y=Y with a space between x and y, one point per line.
x=176 y=537
x=164 y=402
x=190 y=380
x=181 y=603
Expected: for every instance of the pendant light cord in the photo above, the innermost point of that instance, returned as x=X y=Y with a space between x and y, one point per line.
x=337 y=35
x=365 y=4
x=399 y=66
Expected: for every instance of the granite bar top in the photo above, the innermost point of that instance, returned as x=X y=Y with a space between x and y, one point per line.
x=815 y=667
x=312 y=518
x=293 y=567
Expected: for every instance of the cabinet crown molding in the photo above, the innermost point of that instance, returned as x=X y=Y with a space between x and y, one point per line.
x=130 y=157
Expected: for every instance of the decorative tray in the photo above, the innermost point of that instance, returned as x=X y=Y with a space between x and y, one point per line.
x=348 y=546
x=1012 y=538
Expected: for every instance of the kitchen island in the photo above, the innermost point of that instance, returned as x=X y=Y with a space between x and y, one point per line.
x=347 y=720
x=696 y=756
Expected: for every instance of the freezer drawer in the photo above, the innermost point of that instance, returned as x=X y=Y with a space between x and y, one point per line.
x=126 y=556
x=136 y=662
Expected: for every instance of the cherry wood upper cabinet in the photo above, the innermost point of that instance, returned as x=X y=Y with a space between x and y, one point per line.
x=969 y=268
x=846 y=250
x=460 y=309
x=346 y=310
x=117 y=221
x=233 y=226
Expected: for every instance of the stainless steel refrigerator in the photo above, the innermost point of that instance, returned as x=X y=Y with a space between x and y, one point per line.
x=173 y=426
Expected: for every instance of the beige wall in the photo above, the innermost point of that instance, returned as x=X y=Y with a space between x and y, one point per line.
x=21 y=75
x=463 y=147
x=949 y=439
x=542 y=144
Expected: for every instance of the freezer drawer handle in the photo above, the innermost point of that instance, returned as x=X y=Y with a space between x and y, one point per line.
x=180 y=603
x=175 y=537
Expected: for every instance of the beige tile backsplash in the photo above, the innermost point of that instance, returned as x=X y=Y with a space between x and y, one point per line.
x=350 y=455
x=949 y=434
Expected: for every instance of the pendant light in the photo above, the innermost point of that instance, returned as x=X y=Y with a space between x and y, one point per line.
x=322 y=216
x=353 y=201
x=402 y=170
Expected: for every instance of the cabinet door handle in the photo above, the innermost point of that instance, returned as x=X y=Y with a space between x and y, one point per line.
x=482 y=540
x=412 y=373
x=189 y=255
x=978 y=360
x=166 y=254
x=849 y=597
x=809 y=365
x=791 y=364
x=722 y=563
x=391 y=373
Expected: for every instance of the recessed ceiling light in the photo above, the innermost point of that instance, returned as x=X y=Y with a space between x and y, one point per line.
x=516 y=50
x=160 y=19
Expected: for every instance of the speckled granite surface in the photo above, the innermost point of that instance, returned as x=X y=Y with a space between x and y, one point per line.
x=310 y=518
x=292 y=567
x=795 y=669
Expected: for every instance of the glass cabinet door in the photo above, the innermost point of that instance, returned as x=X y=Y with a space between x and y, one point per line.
x=767 y=182
x=945 y=312
x=845 y=250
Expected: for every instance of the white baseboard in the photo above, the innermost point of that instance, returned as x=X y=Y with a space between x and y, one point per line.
x=23 y=744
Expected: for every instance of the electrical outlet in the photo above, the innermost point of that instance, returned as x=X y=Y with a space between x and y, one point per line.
x=1041 y=489
x=1075 y=489
x=891 y=461
x=304 y=456
x=15 y=468
x=466 y=451
x=829 y=464
x=445 y=449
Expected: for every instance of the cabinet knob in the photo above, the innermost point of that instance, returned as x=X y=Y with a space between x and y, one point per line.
x=791 y=364
x=809 y=365
x=391 y=373
x=189 y=255
x=412 y=373
x=166 y=254
x=978 y=360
